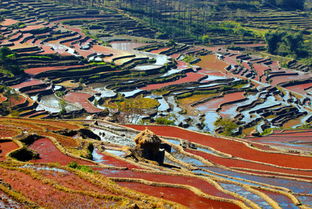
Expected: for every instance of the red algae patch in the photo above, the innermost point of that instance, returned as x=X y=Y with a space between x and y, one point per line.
x=82 y=99
x=32 y=27
x=281 y=79
x=45 y=194
x=211 y=62
x=53 y=125
x=190 y=77
x=13 y=101
x=48 y=153
x=215 y=103
x=112 y=161
x=182 y=180
x=236 y=163
x=182 y=65
x=6 y=147
x=300 y=88
x=8 y=22
x=234 y=148
x=179 y=195
x=8 y=132
x=33 y=82
x=72 y=181
x=230 y=60
x=106 y=50
x=260 y=69
x=158 y=51
x=36 y=71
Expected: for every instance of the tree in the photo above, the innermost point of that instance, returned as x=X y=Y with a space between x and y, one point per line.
x=284 y=44
x=286 y=4
x=290 y=4
x=8 y=62
x=62 y=105
x=272 y=39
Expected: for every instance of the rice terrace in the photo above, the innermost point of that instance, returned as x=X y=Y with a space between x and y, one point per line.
x=156 y=104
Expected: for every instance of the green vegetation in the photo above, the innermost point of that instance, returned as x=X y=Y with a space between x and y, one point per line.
x=138 y=102
x=89 y=150
x=18 y=25
x=267 y=132
x=286 y=44
x=305 y=126
x=228 y=126
x=164 y=121
x=188 y=58
x=5 y=106
x=39 y=57
x=62 y=105
x=8 y=64
x=286 y=4
x=60 y=93
x=82 y=168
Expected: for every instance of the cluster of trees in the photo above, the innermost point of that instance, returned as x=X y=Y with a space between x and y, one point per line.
x=195 y=19
x=286 y=44
x=287 y=4
x=8 y=64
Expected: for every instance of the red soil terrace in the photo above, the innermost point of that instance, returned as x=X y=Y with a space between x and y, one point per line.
x=72 y=181
x=182 y=196
x=300 y=88
x=7 y=132
x=6 y=147
x=32 y=27
x=51 y=125
x=82 y=99
x=281 y=79
x=16 y=100
x=158 y=51
x=2 y=98
x=8 y=22
x=109 y=160
x=50 y=154
x=211 y=62
x=45 y=194
x=236 y=163
x=192 y=181
x=190 y=77
x=32 y=82
x=215 y=103
x=234 y=148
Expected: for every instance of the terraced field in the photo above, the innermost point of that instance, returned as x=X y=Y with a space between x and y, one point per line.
x=207 y=173
x=84 y=67
x=67 y=66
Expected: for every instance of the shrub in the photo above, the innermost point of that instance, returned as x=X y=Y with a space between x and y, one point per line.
x=82 y=168
x=164 y=121
x=24 y=154
x=228 y=126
